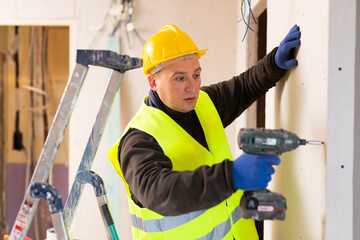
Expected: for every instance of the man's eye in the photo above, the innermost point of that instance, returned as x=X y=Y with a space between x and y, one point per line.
x=196 y=75
x=180 y=79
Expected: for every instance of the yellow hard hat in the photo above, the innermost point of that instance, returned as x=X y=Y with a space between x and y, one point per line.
x=170 y=42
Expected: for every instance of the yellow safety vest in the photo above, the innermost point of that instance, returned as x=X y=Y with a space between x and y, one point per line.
x=222 y=221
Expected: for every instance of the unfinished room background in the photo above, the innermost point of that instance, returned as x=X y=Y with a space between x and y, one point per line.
x=318 y=100
x=35 y=69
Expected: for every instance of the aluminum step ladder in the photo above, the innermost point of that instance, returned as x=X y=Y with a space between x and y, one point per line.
x=84 y=58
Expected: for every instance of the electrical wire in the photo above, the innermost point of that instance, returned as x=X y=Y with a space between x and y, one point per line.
x=102 y=28
x=30 y=138
x=17 y=135
x=125 y=17
x=250 y=13
x=248 y=23
x=22 y=65
x=31 y=162
x=241 y=10
x=131 y=25
x=46 y=97
x=37 y=50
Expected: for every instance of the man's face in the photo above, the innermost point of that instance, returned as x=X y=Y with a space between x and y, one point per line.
x=178 y=84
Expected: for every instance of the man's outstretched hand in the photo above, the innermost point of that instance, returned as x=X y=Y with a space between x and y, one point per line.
x=284 y=56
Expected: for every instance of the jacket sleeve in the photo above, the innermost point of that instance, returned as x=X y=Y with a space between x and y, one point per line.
x=148 y=171
x=234 y=96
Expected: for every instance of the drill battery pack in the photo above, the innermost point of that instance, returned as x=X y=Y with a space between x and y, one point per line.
x=263 y=205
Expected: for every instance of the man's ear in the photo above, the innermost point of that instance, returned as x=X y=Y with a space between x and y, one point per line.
x=152 y=82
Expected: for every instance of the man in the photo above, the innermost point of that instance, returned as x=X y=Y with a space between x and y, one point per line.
x=174 y=156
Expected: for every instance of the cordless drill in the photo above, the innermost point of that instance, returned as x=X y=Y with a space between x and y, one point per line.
x=263 y=204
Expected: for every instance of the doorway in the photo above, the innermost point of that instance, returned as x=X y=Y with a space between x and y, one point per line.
x=34 y=69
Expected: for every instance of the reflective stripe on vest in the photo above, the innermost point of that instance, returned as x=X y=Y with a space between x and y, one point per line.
x=165 y=223
x=222 y=221
x=168 y=223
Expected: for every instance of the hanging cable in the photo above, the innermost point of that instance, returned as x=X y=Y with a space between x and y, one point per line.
x=17 y=135
x=120 y=14
x=127 y=25
x=243 y=13
x=130 y=25
x=252 y=14
x=46 y=104
x=101 y=29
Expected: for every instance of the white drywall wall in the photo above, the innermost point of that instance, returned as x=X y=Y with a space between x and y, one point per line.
x=299 y=104
x=317 y=100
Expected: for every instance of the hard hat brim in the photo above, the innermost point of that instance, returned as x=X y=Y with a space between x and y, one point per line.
x=198 y=53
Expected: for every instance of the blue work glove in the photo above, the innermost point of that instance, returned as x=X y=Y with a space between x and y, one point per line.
x=252 y=171
x=284 y=56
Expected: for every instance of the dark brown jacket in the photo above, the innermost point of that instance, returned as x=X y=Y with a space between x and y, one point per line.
x=148 y=171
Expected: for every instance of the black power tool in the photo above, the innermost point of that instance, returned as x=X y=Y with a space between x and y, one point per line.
x=263 y=204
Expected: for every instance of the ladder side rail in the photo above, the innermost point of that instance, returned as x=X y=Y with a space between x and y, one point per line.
x=92 y=144
x=49 y=151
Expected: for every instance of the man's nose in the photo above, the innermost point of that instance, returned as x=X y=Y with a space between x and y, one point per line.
x=191 y=85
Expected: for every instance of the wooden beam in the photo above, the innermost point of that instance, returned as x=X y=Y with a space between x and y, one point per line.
x=3 y=223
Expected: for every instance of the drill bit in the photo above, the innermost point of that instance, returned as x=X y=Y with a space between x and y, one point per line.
x=315 y=142
x=303 y=142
